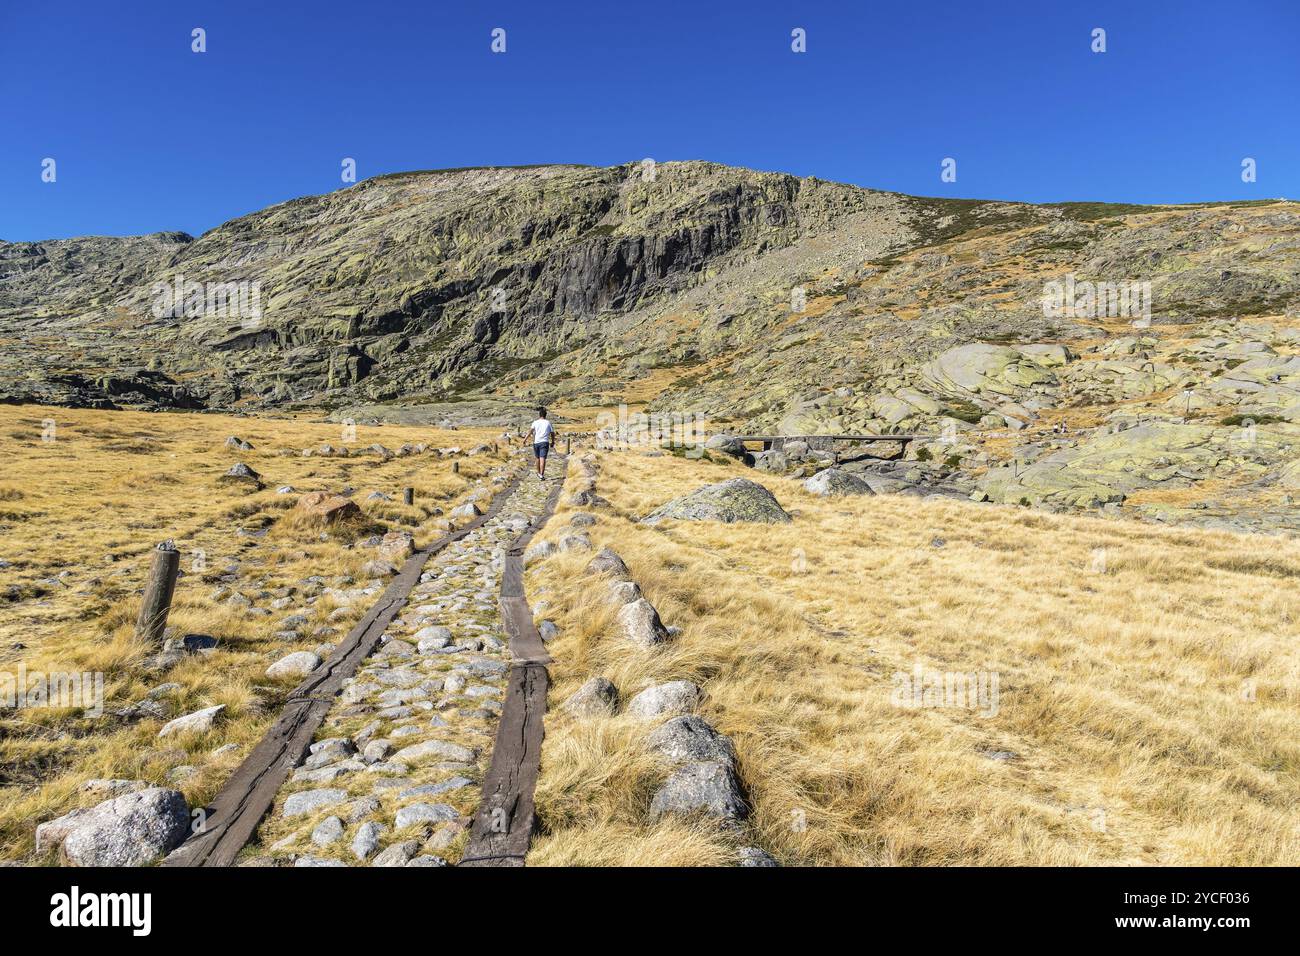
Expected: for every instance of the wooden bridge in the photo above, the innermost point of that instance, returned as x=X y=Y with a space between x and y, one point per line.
x=827 y=442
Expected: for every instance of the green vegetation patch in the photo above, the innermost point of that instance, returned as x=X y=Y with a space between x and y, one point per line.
x=964 y=411
x=1251 y=419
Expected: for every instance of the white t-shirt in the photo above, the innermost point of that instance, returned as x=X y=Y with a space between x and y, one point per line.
x=542 y=431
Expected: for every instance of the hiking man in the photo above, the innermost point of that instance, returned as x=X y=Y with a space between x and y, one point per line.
x=543 y=435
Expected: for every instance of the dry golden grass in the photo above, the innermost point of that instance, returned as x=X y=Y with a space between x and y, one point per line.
x=1149 y=691
x=94 y=501
x=1238 y=491
x=1124 y=689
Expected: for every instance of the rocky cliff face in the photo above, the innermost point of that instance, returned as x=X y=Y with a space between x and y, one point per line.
x=1071 y=355
x=419 y=285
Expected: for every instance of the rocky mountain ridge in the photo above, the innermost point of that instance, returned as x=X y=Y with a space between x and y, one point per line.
x=404 y=286
x=757 y=301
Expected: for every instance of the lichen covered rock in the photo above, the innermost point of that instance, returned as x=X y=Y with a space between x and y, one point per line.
x=737 y=499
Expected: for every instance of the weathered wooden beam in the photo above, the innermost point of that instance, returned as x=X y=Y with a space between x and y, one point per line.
x=504 y=822
x=158 y=590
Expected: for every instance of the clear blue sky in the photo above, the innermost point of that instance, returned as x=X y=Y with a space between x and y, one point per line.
x=149 y=136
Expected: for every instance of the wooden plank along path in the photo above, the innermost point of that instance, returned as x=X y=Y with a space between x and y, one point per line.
x=239 y=806
x=504 y=823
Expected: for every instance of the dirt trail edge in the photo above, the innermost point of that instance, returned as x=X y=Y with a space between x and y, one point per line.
x=234 y=814
x=504 y=823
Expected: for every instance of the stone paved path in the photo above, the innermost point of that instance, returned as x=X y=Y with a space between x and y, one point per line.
x=393 y=776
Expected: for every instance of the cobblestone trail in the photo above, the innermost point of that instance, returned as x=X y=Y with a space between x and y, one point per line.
x=393 y=777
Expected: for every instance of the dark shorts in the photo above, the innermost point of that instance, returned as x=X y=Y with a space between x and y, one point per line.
x=541 y=448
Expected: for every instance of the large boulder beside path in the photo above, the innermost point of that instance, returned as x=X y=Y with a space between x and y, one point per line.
x=734 y=500
x=131 y=830
x=641 y=624
x=833 y=483
x=707 y=788
x=608 y=562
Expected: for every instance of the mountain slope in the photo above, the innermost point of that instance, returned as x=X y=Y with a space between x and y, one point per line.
x=757 y=301
x=421 y=282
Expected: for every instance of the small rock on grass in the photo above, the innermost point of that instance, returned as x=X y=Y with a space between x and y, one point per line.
x=396 y=547
x=672 y=697
x=241 y=472
x=376 y=750
x=539 y=552
x=399 y=854
x=360 y=809
x=624 y=592
x=753 y=856
x=329 y=830
x=640 y=623
x=575 y=542
x=329 y=743
x=433 y=789
x=434 y=748
x=417 y=813
x=454 y=683
x=706 y=787
x=444 y=836
x=327 y=751
x=298 y=664
x=691 y=738
x=432 y=638
x=366 y=842
x=1000 y=755
x=306 y=801
x=197 y=722
x=598 y=697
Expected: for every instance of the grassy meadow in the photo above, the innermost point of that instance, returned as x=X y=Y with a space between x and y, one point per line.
x=82 y=505
x=1147 y=678
x=1147 y=683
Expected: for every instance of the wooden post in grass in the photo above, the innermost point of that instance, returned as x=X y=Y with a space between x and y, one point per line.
x=158 y=591
x=494 y=448
x=455 y=468
x=568 y=444
x=408 y=496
